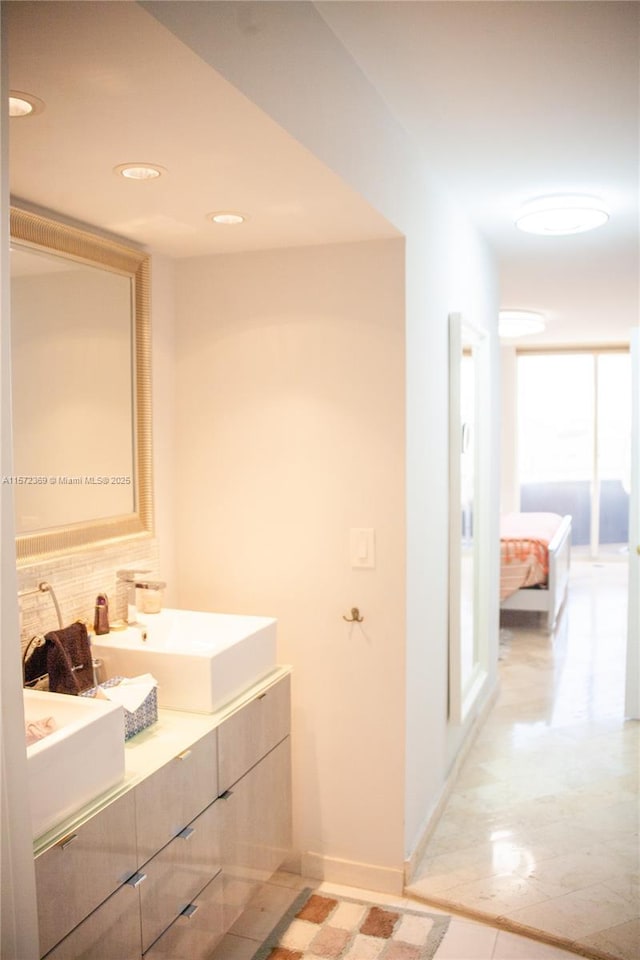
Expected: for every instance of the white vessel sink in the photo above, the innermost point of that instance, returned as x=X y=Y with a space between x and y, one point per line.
x=82 y=758
x=200 y=660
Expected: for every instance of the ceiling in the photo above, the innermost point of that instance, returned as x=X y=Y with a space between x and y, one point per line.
x=507 y=100
x=516 y=100
x=118 y=87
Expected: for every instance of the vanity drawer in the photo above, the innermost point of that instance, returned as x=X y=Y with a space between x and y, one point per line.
x=170 y=798
x=252 y=732
x=74 y=876
x=255 y=828
x=195 y=933
x=112 y=932
x=179 y=872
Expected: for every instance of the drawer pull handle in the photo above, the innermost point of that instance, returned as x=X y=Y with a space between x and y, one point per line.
x=225 y=795
x=261 y=697
x=184 y=755
x=189 y=911
x=65 y=841
x=136 y=879
x=186 y=833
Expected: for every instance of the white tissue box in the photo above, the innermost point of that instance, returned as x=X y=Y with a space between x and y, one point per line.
x=134 y=721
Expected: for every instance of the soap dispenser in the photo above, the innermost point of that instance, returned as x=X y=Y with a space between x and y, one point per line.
x=101 y=615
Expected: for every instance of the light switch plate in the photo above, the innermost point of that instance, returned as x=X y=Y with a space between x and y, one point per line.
x=362 y=545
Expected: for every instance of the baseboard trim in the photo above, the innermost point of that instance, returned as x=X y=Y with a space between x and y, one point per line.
x=367 y=876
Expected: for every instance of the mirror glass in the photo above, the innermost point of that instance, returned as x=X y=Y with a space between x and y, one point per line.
x=467 y=385
x=80 y=387
x=467 y=497
x=72 y=391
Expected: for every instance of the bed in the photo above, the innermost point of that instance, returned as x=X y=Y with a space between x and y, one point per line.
x=535 y=555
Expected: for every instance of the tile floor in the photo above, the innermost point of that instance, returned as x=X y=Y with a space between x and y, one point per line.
x=542 y=825
x=464 y=939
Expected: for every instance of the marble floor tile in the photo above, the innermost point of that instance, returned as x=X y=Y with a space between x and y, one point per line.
x=622 y=940
x=542 y=824
x=489 y=894
x=574 y=871
x=578 y=914
x=626 y=883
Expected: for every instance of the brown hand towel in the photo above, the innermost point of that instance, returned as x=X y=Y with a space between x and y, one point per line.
x=69 y=659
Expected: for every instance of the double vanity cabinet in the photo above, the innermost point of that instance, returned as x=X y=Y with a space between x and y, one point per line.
x=164 y=867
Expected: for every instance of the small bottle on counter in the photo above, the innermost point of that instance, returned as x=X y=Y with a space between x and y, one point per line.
x=101 y=615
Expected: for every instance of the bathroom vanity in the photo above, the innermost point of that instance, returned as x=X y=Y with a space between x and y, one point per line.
x=162 y=866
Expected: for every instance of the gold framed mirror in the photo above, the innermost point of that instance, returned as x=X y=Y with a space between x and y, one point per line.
x=81 y=388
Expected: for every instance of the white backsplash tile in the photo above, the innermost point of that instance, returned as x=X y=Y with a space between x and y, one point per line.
x=77 y=579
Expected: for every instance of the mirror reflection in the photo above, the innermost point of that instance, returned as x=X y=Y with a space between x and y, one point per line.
x=467 y=497
x=72 y=388
x=467 y=667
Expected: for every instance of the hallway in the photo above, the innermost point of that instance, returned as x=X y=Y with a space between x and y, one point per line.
x=541 y=828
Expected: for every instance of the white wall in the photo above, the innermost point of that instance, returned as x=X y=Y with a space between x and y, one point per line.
x=452 y=272
x=290 y=405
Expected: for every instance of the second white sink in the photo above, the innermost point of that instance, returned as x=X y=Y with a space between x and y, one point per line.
x=200 y=660
x=82 y=758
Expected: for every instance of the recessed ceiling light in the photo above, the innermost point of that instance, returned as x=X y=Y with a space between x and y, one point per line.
x=520 y=323
x=139 y=171
x=24 y=104
x=227 y=218
x=561 y=215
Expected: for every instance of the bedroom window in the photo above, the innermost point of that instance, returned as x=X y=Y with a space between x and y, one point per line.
x=574 y=435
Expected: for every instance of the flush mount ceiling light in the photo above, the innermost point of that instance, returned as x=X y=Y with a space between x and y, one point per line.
x=227 y=218
x=24 y=104
x=561 y=215
x=139 y=171
x=520 y=323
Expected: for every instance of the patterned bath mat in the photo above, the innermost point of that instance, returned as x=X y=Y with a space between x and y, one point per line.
x=335 y=928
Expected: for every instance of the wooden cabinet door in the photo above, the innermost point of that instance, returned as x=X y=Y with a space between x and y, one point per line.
x=112 y=932
x=195 y=933
x=256 y=828
x=75 y=875
x=179 y=872
x=174 y=795
x=252 y=732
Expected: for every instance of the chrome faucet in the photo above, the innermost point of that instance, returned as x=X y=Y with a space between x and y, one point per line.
x=136 y=579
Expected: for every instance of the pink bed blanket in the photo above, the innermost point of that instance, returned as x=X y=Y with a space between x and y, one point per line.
x=524 y=549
